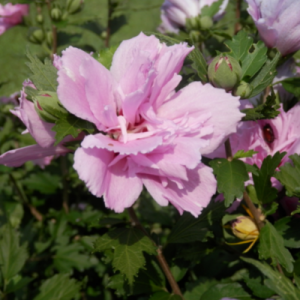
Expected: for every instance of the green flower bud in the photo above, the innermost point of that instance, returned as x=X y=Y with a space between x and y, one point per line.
x=36 y=36
x=39 y=18
x=205 y=22
x=49 y=38
x=48 y=107
x=56 y=14
x=191 y=23
x=73 y=6
x=243 y=90
x=224 y=72
x=194 y=35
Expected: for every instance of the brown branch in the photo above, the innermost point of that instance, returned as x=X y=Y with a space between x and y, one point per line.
x=237 y=26
x=160 y=257
x=25 y=201
x=228 y=150
x=54 y=43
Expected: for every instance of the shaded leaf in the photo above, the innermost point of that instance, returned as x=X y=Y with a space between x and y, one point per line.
x=199 y=64
x=292 y=85
x=231 y=176
x=289 y=229
x=164 y=296
x=212 y=9
x=242 y=154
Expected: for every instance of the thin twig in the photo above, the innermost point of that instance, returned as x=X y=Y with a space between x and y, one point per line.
x=25 y=201
x=237 y=26
x=228 y=150
x=108 y=29
x=64 y=172
x=160 y=257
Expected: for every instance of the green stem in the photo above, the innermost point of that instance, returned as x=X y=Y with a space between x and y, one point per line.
x=160 y=257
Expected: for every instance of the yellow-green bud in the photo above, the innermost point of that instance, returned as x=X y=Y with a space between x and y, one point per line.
x=39 y=18
x=243 y=90
x=192 y=24
x=244 y=228
x=48 y=107
x=37 y=36
x=224 y=72
x=205 y=22
x=56 y=14
x=73 y=6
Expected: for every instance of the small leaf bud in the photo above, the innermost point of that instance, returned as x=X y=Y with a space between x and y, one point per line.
x=191 y=24
x=244 y=228
x=194 y=35
x=74 y=5
x=205 y=22
x=56 y=14
x=39 y=18
x=37 y=36
x=224 y=72
x=243 y=90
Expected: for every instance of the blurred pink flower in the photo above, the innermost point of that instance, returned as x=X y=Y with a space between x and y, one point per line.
x=150 y=134
x=44 y=150
x=11 y=15
x=267 y=137
x=278 y=23
x=175 y=12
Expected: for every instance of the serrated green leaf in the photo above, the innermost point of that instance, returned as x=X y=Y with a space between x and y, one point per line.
x=292 y=85
x=30 y=92
x=276 y=281
x=164 y=296
x=164 y=38
x=289 y=229
x=17 y=283
x=195 y=290
x=199 y=64
x=265 y=76
x=231 y=176
x=271 y=246
x=128 y=245
x=189 y=229
x=267 y=110
x=44 y=75
x=289 y=176
x=262 y=182
x=258 y=289
x=12 y=255
x=212 y=9
x=242 y=154
x=59 y=287
x=222 y=290
x=70 y=125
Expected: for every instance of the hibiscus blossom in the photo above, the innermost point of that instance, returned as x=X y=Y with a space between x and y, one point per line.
x=148 y=134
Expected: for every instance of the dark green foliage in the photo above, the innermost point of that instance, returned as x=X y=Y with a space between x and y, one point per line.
x=292 y=85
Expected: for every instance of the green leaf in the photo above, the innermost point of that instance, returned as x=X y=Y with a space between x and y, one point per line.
x=164 y=38
x=105 y=56
x=267 y=110
x=292 y=85
x=231 y=176
x=265 y=77
x=189 y=229
x=59 y=287
x=44 y=75
x=17 y=283
x=199 y=64
x=258 y=289
x=128 y=246
x=195 y=290
x=211 y=10
x=289 y=229
x=262 y=182
x=70 y=125
x=12 y=255
x=222 y=290
x=271 y=246
x=276 y=281
x=242 y=154
x=289 y=176
x=164 y=296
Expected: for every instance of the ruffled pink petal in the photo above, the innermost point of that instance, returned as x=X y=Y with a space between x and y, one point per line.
x=92 y=167
x=197 y=100
x=18 y=157
x=76 y=92
x=195 y=195
x=101 y=141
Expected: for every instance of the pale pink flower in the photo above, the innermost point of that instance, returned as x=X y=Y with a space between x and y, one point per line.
x=267 y=137
x=278 y=23
x=149 y=134
x=175 y=12
x=44 y=150
x=11 y=15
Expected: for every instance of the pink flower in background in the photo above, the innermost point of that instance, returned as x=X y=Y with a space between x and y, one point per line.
x=278 y=23
x=267 y=137
x=11 y=15
x=44 y=150
x=175 y=12
x=149 y=134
